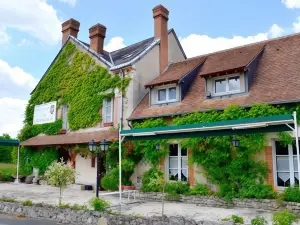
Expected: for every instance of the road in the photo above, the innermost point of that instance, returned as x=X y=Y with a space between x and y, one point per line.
x=11 y=220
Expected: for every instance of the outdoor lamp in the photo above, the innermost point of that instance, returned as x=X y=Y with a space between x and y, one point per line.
x=104 y=145
x=157 y=146
x=92 y=146
x=235 y=142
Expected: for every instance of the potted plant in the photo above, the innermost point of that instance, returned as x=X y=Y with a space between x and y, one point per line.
x=63 y=131
x=127 y=185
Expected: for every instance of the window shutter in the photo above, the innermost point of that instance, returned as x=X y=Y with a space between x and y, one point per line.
x=93 y=162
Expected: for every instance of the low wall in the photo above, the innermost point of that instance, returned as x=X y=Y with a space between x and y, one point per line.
x=70 y=216
x=266 y=204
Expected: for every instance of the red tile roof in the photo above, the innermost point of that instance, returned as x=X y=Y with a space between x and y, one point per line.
x=277 y=79
x=71 y=138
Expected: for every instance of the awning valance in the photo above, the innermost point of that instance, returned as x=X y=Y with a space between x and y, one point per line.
x=9 y=142
x=221 y=128
x=71 y=138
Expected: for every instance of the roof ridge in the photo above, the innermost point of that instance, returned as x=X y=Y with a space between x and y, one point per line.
x=242 y=46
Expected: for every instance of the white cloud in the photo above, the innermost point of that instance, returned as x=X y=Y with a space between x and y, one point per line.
x=296 y=25
x=24 y=42
x=70 y=2
x=11 y=115
x=35 y=17
x=291 y=4
x=15 y=82
x=3 y=36
x=276 y=31
x=114 y=43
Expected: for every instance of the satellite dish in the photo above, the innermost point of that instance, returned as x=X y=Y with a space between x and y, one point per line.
x=208 y=94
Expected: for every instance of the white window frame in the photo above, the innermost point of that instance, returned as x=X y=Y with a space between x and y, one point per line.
x=104 y=112
x=291 y=165
x=179 y=165
x=227 y=84
x=65 y=110
x=167 y=94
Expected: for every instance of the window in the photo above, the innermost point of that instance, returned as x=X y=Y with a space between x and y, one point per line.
x=65 y=109
x=108 y=110
x=286 y=165
x=178 y=166
x=167 y=94
x=227 y=85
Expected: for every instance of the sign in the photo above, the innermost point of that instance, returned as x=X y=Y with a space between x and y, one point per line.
x=45 y=113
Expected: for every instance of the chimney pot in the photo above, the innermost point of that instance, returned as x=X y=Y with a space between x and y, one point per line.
x=97 y=35
x=161 y=17
x=70 y=27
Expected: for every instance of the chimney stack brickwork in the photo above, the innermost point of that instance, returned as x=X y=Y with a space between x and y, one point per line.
x=161 y=17
x=97 y=35
x=70 y=27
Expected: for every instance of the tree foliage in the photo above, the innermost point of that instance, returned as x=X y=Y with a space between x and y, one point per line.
x=5 y=151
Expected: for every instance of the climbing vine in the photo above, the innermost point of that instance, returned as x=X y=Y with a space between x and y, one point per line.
x=76 y=80
x=234 y=170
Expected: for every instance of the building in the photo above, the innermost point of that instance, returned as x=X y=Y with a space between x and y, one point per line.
x=261 y=73
x=138 y=63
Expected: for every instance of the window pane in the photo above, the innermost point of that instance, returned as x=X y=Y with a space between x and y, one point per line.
x=295 y=148
x=283 y=163
x=220 y=85
x=283 y=179
x=173 y=162
x=295 y=163
x=234 y=83
x=162 y=95
x=296 y=179
x=173 y=174
x=173 y=150
x=184 y=175
x=281 y=149
x=184 y=162
x=172 y=93
x=183 y=152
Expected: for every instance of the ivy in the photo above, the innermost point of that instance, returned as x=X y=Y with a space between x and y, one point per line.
x=76 y=80
x=234 y=170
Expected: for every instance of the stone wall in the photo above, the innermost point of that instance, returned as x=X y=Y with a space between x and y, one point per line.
x=79 y=217
x=266 y=204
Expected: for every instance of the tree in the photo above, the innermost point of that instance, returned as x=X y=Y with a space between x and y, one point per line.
x=60 y=175
x=5 y=151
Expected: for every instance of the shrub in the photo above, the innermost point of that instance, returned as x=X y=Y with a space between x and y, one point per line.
x=27 y=203
x=200 y=189
x=111 y=181
x=98 y=204
x=6 y=174
x=259 y=191
x=258 y=221
x=237 y=219
x=292 y=194
x=150 y=181
x=64 y=206
x=4 y=199
x=177 y=187
x=79 y=207
x=284 y=218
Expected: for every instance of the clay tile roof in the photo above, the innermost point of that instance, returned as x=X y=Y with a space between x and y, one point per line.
x=176 y=71
x=71 y=138
x=275 y=81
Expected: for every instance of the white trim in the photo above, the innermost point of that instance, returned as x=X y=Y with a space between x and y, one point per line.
x=226 y=78
x=167 y=89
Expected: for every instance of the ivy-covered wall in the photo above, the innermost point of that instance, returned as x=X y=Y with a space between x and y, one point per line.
x=74 y=79
x=234 y=170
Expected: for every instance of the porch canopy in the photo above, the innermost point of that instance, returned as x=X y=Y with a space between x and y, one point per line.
x=9 y=143
x=223 y=128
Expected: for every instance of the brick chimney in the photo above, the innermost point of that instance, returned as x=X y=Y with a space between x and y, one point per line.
x=161 y=17
x=70 y=27
x=97 y=35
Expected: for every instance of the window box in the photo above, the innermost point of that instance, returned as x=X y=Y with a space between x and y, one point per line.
x=108 y=124
x=63 y=131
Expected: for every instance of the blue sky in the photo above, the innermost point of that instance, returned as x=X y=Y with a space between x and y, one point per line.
x=30 y=34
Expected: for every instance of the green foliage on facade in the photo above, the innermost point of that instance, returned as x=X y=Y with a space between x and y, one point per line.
x=5 y=151
x=31 y=158
x=234 y=170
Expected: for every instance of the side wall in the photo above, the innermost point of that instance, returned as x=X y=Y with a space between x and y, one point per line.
x=86 y=173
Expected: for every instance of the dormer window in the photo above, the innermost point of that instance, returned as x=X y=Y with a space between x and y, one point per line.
x=166 y=95
x=227 y=85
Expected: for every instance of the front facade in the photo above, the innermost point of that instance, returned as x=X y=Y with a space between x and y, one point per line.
x=265 y=73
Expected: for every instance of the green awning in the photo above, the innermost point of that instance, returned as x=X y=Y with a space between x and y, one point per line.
x=9 y=142
x=221 y=128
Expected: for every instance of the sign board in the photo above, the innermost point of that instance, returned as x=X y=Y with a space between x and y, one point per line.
x=45 y=113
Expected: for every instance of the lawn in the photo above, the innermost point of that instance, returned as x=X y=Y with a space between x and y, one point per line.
x=6 y=170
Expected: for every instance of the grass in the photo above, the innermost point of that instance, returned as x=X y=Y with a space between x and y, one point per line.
x=6 y=170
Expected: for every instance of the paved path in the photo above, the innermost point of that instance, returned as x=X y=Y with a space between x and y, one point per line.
x=47 y=194
x=10 y=220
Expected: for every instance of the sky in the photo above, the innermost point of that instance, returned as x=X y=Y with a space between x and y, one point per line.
x=30 y=34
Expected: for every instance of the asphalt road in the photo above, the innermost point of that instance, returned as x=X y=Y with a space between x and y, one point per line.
x=11 y=220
